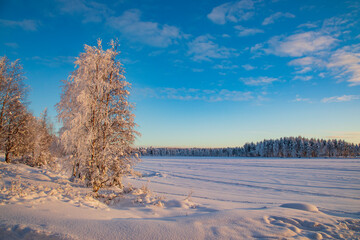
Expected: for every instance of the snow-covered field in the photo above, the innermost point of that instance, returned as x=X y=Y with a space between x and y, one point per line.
x=190 y=198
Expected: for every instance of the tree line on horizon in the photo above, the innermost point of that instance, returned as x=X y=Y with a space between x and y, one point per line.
x=287 y=147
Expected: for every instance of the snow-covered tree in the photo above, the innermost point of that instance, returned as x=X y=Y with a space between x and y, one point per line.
x=13 y=112
x=42 y=141
x=25 y=138
x=98 y=125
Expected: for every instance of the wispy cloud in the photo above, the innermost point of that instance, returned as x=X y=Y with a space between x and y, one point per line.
x=91 y=11
x=345 y=135
x=299 y=44
x=271 y=19
x=243 y=32
x=226 y=65
x=337 y=25
x=11 y=44
x=300 y=99
x=248 y=67
x=344 y=98
x=303 y=78
x=192 y=94
x=150 y=33
x=53 y=61
x=305 y=61
x=259 y=81
x=303 y=70
x=27 y=25
x=315 y=50
x=306 y=64
x=347 y=61
x=203 y=48
x=257 y=48
x=232 y=12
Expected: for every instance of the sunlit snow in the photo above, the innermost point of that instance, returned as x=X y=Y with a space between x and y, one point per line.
x=190 y=198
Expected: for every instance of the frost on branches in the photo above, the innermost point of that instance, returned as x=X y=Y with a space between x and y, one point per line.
x=13 y=113
x=98 y=126
x=43 y=138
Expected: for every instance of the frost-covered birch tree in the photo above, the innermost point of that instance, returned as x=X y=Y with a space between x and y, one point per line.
x=98 y=123
x=13 y=112
x=42 y=141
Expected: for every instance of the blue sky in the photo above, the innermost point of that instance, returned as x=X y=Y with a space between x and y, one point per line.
x=204 y=73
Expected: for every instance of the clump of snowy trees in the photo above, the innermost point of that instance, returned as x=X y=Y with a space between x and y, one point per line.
x=98 y=128
x=22 y=136
x=288 y=147
x=98 y=125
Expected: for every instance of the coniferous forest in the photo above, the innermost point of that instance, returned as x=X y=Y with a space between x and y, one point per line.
x=287 y=147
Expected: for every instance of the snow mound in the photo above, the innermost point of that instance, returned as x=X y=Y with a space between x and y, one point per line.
x=185 y=204
x=301 y=206
x=154 y=174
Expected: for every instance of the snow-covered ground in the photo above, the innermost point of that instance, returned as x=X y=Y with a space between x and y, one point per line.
x=190 y=198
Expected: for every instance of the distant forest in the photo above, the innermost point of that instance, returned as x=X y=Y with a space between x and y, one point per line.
x=287 y=147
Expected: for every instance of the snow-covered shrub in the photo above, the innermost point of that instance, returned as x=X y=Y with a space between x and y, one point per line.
x=16 y=188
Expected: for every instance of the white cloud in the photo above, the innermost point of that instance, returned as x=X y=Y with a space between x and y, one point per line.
x=236 y=96
x=267 y=66
x=303 y=78
x=305 y=61
x=203 y=48
x=314 y=50
x=337 y=25
x=300 y=99
x=27 y=25
x=248 y=67
x=232 y=12
x=247 y=31
x=306 y=64
x=347 y=61
x=191 y=94
x=259 y=81
x=297 y=45
x=344 y=98
x=271 y=19
x=150 y=33
x=304 y=70
x=257 y=47
x=226 y=66
x=90 y=10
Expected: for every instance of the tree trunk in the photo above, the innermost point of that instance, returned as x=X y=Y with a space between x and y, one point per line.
x=7 y=157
